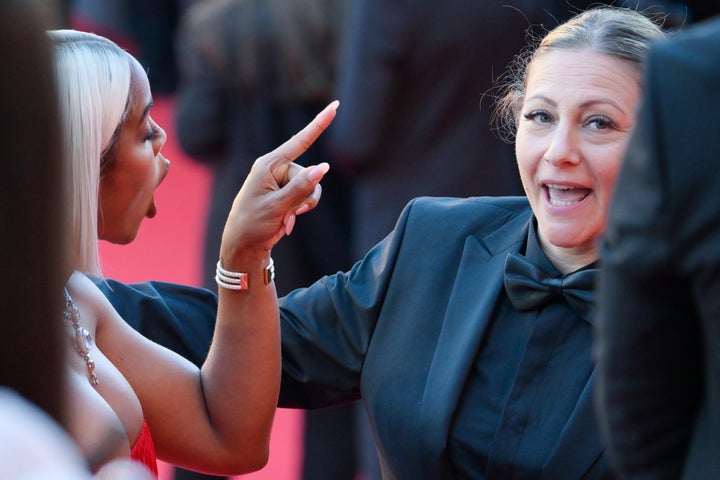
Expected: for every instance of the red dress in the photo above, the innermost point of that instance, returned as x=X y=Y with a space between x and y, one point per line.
x=144 y=449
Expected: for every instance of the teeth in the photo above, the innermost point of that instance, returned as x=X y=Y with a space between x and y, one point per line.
x=560 y=202
x=562 y=195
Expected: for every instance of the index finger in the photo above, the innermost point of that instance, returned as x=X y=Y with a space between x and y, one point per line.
x=301 y=141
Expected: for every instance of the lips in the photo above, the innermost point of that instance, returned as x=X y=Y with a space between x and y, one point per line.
x=561 y=195
x=152 y=210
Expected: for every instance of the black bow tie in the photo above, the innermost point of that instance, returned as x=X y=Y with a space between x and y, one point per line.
x=529 y=287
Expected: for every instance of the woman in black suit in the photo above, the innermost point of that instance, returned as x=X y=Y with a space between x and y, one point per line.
x=467 y=332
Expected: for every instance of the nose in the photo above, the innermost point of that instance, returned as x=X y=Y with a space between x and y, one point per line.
x=563 y=147
x=161 y=137
x=163 y=163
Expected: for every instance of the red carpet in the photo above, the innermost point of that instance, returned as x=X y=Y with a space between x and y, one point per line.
x=168 y=248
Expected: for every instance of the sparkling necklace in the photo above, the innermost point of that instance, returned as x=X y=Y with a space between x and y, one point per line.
x=82 y=340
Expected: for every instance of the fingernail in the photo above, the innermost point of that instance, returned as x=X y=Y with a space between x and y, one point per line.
x=290 y=225
x=314 y=173
x=334 y=104
x=303 y=208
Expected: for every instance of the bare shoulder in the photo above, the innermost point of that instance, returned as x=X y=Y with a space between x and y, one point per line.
x=83 y=286
x=96 y=310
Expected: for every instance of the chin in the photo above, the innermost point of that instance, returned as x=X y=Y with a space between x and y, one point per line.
x=564 y=237
x=129 y=239
x=121 y=238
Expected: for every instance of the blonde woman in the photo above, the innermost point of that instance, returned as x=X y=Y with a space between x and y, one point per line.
x=216 y=418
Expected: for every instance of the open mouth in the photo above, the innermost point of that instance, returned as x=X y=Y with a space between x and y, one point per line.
x=564 y=196
x=152 y=210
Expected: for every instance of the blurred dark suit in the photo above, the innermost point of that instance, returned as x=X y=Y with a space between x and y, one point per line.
x=659 y=294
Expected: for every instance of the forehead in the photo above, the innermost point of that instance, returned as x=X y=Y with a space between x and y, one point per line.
x=140 y=95
x=563 y=74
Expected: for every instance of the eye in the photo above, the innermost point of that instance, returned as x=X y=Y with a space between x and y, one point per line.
x=153 y=131
x=600 y=122
x=539 y=116
x=152 y=134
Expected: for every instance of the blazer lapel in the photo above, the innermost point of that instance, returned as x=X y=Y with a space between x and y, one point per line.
x=472 y=301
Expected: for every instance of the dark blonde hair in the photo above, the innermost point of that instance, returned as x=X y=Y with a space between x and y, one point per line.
x=618 y=32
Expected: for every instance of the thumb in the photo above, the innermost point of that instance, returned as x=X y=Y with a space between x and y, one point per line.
x=303 y=191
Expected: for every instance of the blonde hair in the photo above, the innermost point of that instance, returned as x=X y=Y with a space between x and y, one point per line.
x=93 y=78
x=622 y=33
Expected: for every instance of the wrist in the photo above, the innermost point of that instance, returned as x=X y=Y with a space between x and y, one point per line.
x=237 y=259
x=259 y=271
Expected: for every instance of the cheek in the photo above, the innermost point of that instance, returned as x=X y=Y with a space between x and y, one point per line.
x=140 y=171
x=152 y=176
x=526 y=158
x=113 y=201
x=106 y=193
x=120 y=191
x=611 y=169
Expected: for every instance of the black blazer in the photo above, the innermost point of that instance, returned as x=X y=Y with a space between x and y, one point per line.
x=659 y=294
x=400 y=331
x=406 y=324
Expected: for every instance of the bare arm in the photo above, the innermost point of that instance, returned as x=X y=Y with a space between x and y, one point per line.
x=218 y=419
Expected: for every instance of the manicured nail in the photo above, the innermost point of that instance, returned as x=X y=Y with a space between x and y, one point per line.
x=290 y=225
x=316 y=172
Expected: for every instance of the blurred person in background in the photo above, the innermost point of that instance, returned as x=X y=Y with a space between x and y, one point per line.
x=33 y=361
x=146 y=28
x=252 y=73
x=33 y=226
x=659 y=292
x=33 y=222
